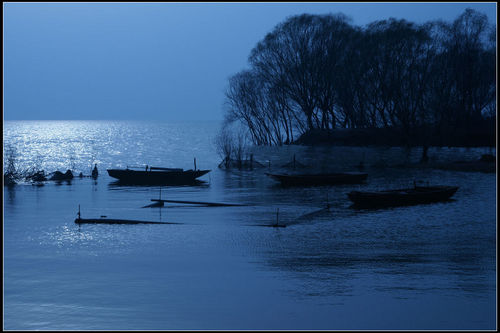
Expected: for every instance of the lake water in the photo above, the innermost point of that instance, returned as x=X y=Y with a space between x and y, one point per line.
x=421 y=267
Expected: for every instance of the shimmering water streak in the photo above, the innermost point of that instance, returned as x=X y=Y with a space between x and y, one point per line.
x=76 y=145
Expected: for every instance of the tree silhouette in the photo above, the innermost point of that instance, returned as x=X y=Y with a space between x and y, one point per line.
x=432 y=83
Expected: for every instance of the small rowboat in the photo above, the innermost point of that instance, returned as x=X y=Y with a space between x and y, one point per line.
x=402 y=197
x=320 y=178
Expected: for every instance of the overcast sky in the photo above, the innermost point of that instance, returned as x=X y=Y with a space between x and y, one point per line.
x=152 y=61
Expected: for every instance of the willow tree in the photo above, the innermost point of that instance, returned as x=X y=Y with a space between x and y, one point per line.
x=260 y=108
x=286 y=58
x=332 y=47
x=472 y=64
x=464 y=71
x=403 y=54
x=318 y=71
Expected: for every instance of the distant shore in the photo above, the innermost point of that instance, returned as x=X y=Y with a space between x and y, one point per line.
x=378 y=137
x=393 y=138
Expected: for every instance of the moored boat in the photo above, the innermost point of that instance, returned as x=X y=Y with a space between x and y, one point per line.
x=402 y=197
x=319 y=179
x=157 y=175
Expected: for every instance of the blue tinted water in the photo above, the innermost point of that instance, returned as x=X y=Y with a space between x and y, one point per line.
x=421 y=267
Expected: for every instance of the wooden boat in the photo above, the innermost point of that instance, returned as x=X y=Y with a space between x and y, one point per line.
x=157 y=175
x=402 y=197
x=320 y=178
x=105 y=220
x=117 y=221
x=201 y=203
x=270 y=225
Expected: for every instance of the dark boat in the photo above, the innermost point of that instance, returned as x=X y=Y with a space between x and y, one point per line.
x=117 y=221
x=320 y=178
x=105 y=220
x=156 y=175
x=402 y=197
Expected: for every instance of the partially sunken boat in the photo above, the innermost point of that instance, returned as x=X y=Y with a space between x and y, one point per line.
x=320 y=178
x=105 y=220
x=402 y=197
x=157 y=175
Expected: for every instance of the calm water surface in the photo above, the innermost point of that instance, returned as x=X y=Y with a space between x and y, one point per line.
x=421 y=267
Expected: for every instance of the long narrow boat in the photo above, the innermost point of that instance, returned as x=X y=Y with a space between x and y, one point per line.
x=105 y=220
x=201 y=203
x=117 y=221
x=402 y=197
x=157 y=175
x=320 y=178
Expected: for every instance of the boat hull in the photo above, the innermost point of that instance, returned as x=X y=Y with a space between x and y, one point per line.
x=116 y=221
x=320 y=179
x=402 y=197
x=157 y=177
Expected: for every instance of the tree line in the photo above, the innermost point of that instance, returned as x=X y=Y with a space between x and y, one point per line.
x=433 y=81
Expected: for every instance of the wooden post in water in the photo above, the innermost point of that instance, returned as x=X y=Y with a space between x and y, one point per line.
x=78 y=219
x=195 y=164
x=78 y=216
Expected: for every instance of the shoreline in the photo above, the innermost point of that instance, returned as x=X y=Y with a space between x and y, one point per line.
x=380 y=137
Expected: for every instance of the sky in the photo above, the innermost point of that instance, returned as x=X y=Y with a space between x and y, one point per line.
x=153 y=61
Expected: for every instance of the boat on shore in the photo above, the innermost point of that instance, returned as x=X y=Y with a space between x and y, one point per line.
x=157 y=176
x=402 y=197
x=320 y=178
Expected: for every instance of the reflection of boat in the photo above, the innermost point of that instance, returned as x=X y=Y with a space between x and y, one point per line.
x=156 y=175
x=320 y=178
x=401 y=197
